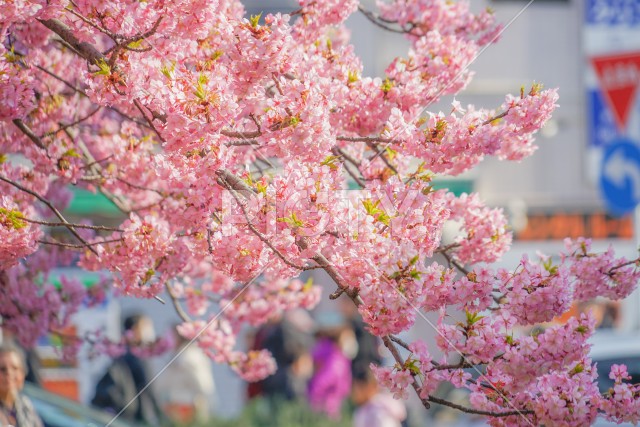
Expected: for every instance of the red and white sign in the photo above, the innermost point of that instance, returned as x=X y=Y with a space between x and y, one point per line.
x=619 y=77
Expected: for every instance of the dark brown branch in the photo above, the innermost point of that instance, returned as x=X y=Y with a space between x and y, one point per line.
x=477 y=411
x=138 y=105
x=67 y=126
x=355 y=177
x=57 y=77
x=91 y=23
x=388 y=342
x=363 y=139
x=140 y=187
x=176 y=304
x=84 y=49
x=53 y=209
x=336 y=294
x=380 y=153
x=81 y=92
x=380 y=23
x=29 y=133
x=242 y=143
x=67 y=224
x=340 y=152
x=624 y=264
x=492 y=119
x=71 y=245
x=242 y=135
x=257 y=232
x=400 y=342
x=455 y=263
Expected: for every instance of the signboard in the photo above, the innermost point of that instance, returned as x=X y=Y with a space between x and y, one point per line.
x=620 y=176
x=558 y=225
x=611 y=35
x=619 y=76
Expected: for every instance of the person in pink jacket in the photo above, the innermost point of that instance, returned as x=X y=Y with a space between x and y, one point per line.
x=375 y=407
x=330 y=384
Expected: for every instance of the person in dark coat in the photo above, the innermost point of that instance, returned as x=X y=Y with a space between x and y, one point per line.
x=127 y=377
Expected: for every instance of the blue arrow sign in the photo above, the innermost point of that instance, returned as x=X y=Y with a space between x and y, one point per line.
x=620 y=176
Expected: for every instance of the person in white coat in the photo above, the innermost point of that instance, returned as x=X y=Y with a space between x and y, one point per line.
x=375 y=408
x=186 y=389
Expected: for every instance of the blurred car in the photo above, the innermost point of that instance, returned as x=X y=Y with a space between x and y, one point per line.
x=57 y=411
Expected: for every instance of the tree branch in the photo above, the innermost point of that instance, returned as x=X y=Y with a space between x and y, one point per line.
x=84 y=49
x=443 y=402
x=176 y=304
x=67 y=224
x=29 y=133
x=57 y=213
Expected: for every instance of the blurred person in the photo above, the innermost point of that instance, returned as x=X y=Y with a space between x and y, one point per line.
x=32 y=359
x=127 y=377
x=186 y=388
x=367 y=346
x=330 y=384
x=605 y=312
x=15 y=408
x=375 y=408
x=289 y=340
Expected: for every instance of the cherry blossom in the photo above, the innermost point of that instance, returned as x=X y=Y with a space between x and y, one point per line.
x=231 y=146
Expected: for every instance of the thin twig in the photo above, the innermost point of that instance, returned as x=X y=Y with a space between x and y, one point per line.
x=176 y=303
x=71 y=245
x=138 y=105
x=66 y=126
x=478 y=411
x=241 y=135
x=377 y=21
x=363 y=139
x=67 y=224
x=29 y=133
x=382 y=156
x=257 y=232
x=56 y=212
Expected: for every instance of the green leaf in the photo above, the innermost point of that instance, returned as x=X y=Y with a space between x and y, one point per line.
x=412 y=366
x=473 y=317
x=167 y=71
x=104 y=69
x=307 y=285
x=391 y=153
x=255 y=19
x=148 y=275
x=292 y=220
x=137 y=44
x=217 y=54
x=371 y=207
x=386 y=85
x=331 y=162
x=12 y=219
x=535 y=89
x=200 y=91
x=581 y=329
x=262 y=188
x=71 y=153
x=415 y=274
x=577 y=369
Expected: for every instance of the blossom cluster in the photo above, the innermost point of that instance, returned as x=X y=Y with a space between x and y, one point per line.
x=231 y=145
